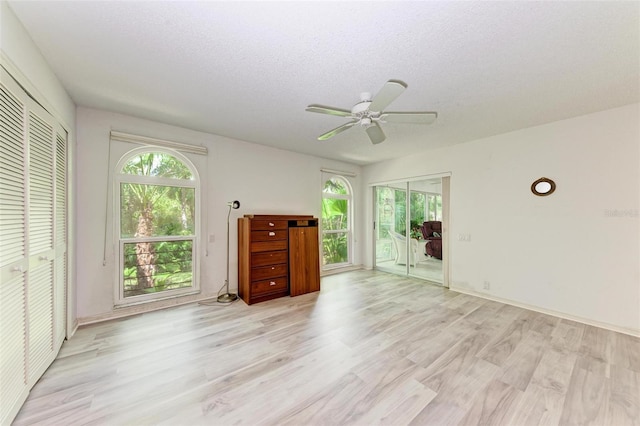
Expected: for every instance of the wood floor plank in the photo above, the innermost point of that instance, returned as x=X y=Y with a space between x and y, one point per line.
x=554 y=369
x=587 y=399
x=627 y=352
x=369 y=349
x=520 y=366
x=539 y=405
x=624 y=405
x=568 y=335
x=401 y=406
x=498 y=350
x=494 y=406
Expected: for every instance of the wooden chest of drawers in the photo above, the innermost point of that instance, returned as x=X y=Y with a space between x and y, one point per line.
x=263 y=256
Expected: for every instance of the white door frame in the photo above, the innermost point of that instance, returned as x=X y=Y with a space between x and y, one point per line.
x=446 y=197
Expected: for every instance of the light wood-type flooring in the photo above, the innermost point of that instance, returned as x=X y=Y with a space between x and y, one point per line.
x=370 y=348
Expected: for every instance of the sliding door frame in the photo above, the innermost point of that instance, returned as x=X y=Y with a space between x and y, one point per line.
x=446 y=197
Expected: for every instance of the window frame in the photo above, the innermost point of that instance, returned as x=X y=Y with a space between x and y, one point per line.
x=119 y=178
x=348 y=231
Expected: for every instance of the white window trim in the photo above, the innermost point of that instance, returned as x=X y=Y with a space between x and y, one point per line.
x=145 y=140
x=119 y=177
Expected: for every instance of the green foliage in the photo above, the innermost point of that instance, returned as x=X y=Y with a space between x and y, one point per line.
x=334 y=247
x=148 y=210
x=335 y=217
x=172 y=267
x=157 y=164
x=334 y=214
x=171 y=210
x=435 y=207
x=400 y=212
x=335 y=186
x=392 y=205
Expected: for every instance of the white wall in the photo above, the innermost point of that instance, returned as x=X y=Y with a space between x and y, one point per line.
x=575 y=253
x=264 y=180
x=23 y=60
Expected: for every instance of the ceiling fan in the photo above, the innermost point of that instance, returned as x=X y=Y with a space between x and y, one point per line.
x=369 y=113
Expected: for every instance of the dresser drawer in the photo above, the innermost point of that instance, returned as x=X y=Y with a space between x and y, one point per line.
x=269 y=258
x=261 y=246
x=268 y=286
x=266 y=272
x=263 y=225
x=274 y=234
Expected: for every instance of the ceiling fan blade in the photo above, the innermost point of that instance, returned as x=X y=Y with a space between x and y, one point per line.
x=389 y=92
x=375 y=133
x=416 y=117
x=322 y=109
x=332 y=133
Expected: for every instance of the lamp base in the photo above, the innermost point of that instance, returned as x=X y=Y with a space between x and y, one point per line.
x=227 y=298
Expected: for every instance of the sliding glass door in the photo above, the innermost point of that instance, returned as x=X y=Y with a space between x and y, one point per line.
x=402 y=212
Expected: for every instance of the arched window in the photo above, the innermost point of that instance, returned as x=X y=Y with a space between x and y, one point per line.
x=336 y=223
x=157 y=201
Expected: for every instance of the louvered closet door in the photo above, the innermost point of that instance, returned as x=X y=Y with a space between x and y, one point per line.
x=13 y=261
x=41 y=139
x=33 y=243
x=60 y=237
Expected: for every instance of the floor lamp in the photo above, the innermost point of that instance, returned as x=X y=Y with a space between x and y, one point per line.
x=228 y=297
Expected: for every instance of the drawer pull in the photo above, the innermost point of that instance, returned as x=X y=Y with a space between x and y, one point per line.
x=272 y=283
x=271 y=224
x=272 y=234
x=273 y=267
x=17 y=269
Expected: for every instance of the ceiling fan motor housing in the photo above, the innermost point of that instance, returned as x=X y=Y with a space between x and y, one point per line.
x=360 y=112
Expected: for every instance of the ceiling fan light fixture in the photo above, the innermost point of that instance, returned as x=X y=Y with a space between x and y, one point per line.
x=370 y=112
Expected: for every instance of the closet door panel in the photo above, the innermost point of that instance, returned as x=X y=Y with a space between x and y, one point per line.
x=13 y=262
x=13 y=374
x=60 y=237
x=12 y=182
x=40 y=185
x=40 y=320
x=40 y=284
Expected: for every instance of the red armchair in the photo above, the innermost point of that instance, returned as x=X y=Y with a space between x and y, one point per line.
x=432 y=232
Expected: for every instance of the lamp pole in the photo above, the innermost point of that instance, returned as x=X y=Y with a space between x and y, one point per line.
x=227 y=297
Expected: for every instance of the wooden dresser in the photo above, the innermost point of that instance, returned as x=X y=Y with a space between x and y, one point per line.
x=278 y=255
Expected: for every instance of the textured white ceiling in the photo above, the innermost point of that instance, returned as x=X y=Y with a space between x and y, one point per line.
x=247 y=70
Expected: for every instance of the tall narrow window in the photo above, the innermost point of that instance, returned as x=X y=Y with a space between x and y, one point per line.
x=157 y=225
x=336 y=223
x=434 y=206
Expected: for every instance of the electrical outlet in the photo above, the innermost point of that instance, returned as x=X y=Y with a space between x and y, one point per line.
x=212 y=238
x=464 y=237
x=486 y=285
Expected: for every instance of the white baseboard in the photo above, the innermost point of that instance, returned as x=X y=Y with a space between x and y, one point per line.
x=606 y=326
x=131 y=310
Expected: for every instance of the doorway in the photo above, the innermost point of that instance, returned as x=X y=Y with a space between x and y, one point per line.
x=409 y=236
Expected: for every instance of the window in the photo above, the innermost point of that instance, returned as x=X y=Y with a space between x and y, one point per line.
x=434 y=206
x=392 y=205
x=336 y=223
x=157 y=204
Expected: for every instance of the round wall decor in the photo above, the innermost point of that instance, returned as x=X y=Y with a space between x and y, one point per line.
x=543 y=187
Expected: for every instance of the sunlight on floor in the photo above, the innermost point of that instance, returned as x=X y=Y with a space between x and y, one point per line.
x=429 y=269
